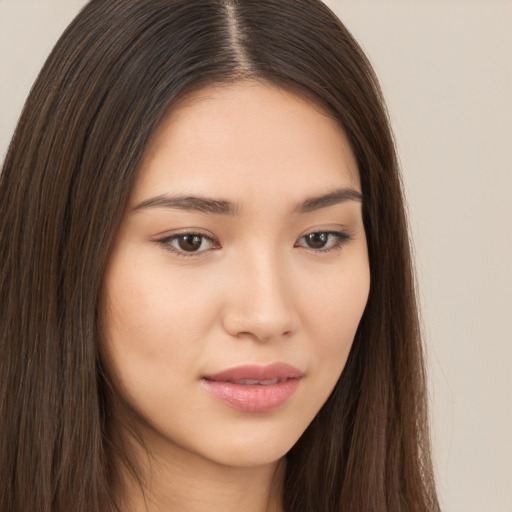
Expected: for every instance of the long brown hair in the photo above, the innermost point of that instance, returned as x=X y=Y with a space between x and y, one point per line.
x=69 y=170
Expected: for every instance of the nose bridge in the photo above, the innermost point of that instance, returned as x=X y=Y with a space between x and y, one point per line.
x=262 y=302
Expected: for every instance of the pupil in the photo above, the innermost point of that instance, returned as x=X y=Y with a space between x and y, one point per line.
x=317 y=240
x=190 y=242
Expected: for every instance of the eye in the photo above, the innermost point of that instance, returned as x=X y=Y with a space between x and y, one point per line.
x=323 y=241
x=188 y=244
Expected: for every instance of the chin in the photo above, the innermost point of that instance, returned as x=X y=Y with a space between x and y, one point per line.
x=257 y=446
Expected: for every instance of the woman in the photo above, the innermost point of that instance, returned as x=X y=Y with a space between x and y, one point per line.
x=207 y=295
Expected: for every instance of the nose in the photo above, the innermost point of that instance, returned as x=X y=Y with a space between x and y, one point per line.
x=261 y=303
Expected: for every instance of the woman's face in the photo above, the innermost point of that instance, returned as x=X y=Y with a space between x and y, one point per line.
x=238 y=276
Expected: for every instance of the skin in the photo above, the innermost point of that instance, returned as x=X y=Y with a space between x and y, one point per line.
x=257 y=293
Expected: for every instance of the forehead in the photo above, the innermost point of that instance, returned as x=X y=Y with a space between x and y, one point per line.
x=249 y=136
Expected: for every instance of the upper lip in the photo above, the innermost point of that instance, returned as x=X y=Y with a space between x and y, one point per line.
x=280 y=371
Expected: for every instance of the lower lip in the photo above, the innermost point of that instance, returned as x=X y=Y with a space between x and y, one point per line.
x=252 y=398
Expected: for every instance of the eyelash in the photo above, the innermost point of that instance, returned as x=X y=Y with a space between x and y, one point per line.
x=340 y=239
x=166 y=243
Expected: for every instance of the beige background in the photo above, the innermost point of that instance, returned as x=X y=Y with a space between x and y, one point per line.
x=445 y=67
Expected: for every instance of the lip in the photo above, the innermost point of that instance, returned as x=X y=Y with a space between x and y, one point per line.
x=249 y=397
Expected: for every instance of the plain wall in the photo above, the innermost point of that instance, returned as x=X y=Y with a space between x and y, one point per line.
x=445 y=68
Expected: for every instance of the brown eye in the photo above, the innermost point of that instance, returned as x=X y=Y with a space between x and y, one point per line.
x=189 y=243
x=317 y=240
x=323 y=241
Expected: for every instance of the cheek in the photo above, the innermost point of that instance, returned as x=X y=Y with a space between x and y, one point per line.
x=335 y=300
x=154 y=322
x=334 y=313
x=143 y=296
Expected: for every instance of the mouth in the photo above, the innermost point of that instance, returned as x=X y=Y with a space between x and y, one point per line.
x=252 y=388
x=254 y=382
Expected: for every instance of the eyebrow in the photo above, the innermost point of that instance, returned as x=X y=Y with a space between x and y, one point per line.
x=194 y=203
x=222 y=207
x=337 y=196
